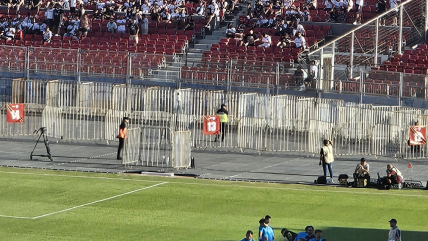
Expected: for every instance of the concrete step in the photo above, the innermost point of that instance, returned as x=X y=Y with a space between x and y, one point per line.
x=199 y=51
x=203 y=46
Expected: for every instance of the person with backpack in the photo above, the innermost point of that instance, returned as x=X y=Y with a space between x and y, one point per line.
x=327 y=158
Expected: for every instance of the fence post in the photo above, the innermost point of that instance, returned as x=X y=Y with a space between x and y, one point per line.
x=276 y=92
x=400 y=92
x=361 y=85
x=400 y=31
x=128 y=83
x=79 y=60
x=27 y=62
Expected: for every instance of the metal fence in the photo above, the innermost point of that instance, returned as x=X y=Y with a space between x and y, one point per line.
x=334 y=74
x=258 y=122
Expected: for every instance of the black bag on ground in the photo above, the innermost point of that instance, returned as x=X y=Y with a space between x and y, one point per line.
x=321 y=180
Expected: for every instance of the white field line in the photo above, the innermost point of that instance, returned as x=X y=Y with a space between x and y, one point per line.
x=5 y=216
x=102 y=200
x=331 y=190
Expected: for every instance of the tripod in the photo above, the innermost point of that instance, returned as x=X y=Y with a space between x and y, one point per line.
x=42 y=132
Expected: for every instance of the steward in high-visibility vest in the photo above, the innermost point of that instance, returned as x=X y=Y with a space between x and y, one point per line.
x=223 y=114
x=123 y=128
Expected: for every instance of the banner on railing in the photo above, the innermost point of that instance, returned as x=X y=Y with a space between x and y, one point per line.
x=211 y=125
x=15 y=113
x=417 y=135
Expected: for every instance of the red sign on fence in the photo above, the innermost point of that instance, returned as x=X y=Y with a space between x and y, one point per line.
x=15 y=113
x=211 y=125
x=417 y=135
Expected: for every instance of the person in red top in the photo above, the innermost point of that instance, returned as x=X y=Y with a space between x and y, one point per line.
x=123 y=128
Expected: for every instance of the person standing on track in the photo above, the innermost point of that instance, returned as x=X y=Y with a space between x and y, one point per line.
x=326 y=158
x=123 y=128
x=223 y=113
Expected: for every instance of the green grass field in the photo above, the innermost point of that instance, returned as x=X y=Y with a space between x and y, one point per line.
x=53 y=205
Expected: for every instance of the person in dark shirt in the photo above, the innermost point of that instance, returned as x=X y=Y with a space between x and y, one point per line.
x=57 y=17
x=250 y=39
x=133 y=30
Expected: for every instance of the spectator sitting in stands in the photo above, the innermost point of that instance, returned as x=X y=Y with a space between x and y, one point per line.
x=299 y=29
x=47 y=36
x=306 y=15
x=10 y=32
x=126 y=5
x=262 y=22
x=300 y=41
x=14 y=4
x=267 y=41
x=250 y=39
x=111 y=26
x=267 y=9
x=276 y=7
x=97 y=15
x=284 y=42
x=145 y=7
x=190 y=23
x=200 y=10
x=2 y=34
x=165 y=16
x=311 y=4
x=230 y=31
x=349 y=5
x=329 y=9
x=281 y=28
x=307 y=235
x=38 y=27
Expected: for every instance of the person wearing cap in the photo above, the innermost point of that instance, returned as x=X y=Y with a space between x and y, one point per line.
x=222 y=112
x=248 y=236
x=362 y=170
x=123 y=128
x=327 y=158
x=394 y=232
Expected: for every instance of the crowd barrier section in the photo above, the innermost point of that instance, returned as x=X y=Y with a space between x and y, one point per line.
x=131 y=150
x=260 y=122
x=181 y=154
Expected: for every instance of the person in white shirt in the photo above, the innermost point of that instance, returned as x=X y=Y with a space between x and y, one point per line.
x=145 y=7
x=267 y=41
x=300 y=41
x=230 y=31
x=111 y=26
x=10 y=32
x=100 y=5
x=299 y=29
x=73 y=7
x=47 y=35
x=121 y=22
x=201 y=9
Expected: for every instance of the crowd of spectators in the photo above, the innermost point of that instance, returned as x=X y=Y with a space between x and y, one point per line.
x=266 y=233
x=75 y=18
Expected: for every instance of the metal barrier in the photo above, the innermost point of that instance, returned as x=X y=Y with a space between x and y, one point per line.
x=258 y=122
x=131 y=150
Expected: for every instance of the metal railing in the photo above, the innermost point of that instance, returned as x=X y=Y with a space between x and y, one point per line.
x=257 y=122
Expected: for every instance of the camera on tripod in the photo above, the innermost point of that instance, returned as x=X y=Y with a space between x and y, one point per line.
x=42 y=133
x=42 y=130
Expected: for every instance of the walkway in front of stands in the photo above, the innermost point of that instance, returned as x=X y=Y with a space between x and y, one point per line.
x=234 y=166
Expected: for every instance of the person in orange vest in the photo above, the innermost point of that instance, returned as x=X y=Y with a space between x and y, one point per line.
x=123 y=128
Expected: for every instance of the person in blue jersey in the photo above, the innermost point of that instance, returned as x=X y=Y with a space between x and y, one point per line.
x=248 y=236
x=267 y=232
x=317 y=237
x=308 y=234
x=268 y=227
x=262 y=228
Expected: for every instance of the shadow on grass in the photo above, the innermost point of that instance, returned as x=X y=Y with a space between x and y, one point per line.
x=365 y=234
